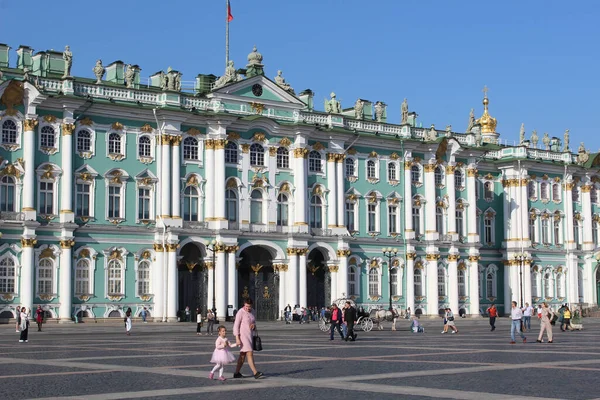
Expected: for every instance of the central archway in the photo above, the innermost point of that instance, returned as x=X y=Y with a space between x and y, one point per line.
x=192 y=280
x=258 y=281
x=318 y=280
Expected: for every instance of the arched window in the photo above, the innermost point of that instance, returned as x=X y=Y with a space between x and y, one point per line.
x=144 y=147
x=418 y=277
x=462 y=284
x=144 y=203
x=316 y=212
x=392 y=171
x=190 y=149
x=373 y=282
x=394 y=280
x=143 y=278
x=350 y=167
x=459 y=179
x=439 y=220
x=114 y=201
x=282 y=210
x=556 y=192
x=231 y=205
x=441 y=281
x=371 y=171
x=283 y=157
x=257 y=155
x=557 y=229
x=438 y=175
x=559 y=285
x=231 y=153
x=115 y=278
x=44 y=279
x=489 y=285
x=544 y=195
x=7 y=275
x=488 y=227
x=415 y=174
x=314 y=161
x=47 y=136
x=352 y=289
x=534 y=284
x=114 y=143
x=84 y=141
x=488 y=191
x=532 y=226
x=191 y=202
x=548 y=285
x=82 y=277
x=256 y=207
x=545 y=230
x=531 y=186
x=7 y=194
x=9 y=132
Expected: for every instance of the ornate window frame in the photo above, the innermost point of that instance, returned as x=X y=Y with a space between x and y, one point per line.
x=394 y=201
x=263 y=205
x=418 y=203
x=548 y=282
x=151 y=155
x=316 y=162
x=556 y=195
x=49 y=121
x=459 y=179
x=352 y=198
x=372 y=168
x=374 y=274
x=283 y=158
x=90 y=256
x=144 y=256
x=146 y=180
x=116 y=178
x=491 y=276
x=419 y=286
x=9 y=252
x=191 y=144
x=532 y=190
x=486 y=191
x=119 y=153
x=85 y=175
x=439 y=176
x=17 y=119
x=393 y=166
x=416 y=171
x=545 y=191
x=442 y=281
x=489 y=216
x=48 y=173
x=557 y=227
x=115 y=256
x=49 y=253
x=91 y=151
x=373 y=202
x=232 y=148
x=351 y=162
x=14 y=173
x=193 y=180
x=259 y=156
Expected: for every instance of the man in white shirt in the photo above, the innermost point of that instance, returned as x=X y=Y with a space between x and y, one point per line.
x=515 y=315
x=527 y=313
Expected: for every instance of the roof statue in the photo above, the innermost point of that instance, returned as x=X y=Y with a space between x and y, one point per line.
x=583 y=155
x=431 y=134
x=448 y=130
x=566 y=141
x=379 y=111
x=471 y=120
x=255 y=58
x=534 y=138
x=546 y=141
x=280 y=81
x=68 y=57
x=254 y=66
x=332 y=106
x=129 y=75
x=522 y=134
x=98 y=71
x=487 y=122
x=404 y=112
x=230 y=76
x=359 y=107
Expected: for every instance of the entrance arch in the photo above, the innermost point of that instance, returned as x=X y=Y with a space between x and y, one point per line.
x=318 y=280
x=258 y=281
x=192 y=283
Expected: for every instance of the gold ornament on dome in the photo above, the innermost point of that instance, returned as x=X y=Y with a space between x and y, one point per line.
x=351 y=151
x=394 y=156
x=50 y=118
x=285 y=188
x=245 y=148
x=193 y=132
x=257 y=107
x=373 y=154
x=12 y=96
x=285 y=142
x=117 y=126
x=258 y=137
x=147 y=128
x=318 y=146
x=233 y=136
x=47 y=253
x=487 y=122
x=86 y=122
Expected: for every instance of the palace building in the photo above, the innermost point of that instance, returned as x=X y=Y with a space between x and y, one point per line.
x=120 y=192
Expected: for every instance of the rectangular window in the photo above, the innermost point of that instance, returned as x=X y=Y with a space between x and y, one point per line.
x=144 y=199
x=462 y=290
x=416 y=220
x=350 y=217
x=487 y=230
x=532 y=234
x=82 y=199
x=82 y=281
x=45 y=281
x=7 y=195
x=545 y=238
x=418 y=284
x=459 y=224
x=114 y=202
x=372 y=209
x=393 y=219
x=46 y=198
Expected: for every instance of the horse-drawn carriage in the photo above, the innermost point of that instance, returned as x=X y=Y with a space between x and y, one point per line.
x=365 y=320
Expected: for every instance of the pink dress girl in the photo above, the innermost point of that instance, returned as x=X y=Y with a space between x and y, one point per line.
x=221 y=356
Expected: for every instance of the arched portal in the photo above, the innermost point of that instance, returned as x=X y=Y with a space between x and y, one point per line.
x=257 y=280
x=318 y=280
x=192 y=279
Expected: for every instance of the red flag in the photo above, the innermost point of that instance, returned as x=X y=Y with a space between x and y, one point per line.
x=229 y=16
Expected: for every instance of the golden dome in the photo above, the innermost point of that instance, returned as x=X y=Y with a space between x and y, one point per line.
x=487 y=122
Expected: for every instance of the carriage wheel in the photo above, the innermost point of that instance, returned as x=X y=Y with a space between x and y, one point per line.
x=367 y=324
x=323 y=325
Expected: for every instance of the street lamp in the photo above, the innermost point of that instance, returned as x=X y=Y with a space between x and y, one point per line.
x=213 y=248
x=521 y=258
x=390 y=253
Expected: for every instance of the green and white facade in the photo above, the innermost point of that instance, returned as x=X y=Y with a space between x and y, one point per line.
x=112 y=191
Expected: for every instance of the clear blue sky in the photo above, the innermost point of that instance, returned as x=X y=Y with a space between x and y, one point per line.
x=540 y=59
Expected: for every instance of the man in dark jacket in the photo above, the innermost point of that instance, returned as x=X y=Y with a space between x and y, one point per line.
x=336 y=321
x=350 y=318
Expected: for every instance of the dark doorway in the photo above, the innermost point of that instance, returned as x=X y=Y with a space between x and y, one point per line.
x=257 y=280
x=318 y=280
x=193 y=281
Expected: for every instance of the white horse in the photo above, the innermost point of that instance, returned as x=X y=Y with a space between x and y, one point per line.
x=385 y=315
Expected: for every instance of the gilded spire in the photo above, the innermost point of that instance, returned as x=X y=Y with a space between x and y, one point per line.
x=487 y=122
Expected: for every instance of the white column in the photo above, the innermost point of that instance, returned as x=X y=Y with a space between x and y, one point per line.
x=515 y=211
x=209 y=149
x=65 y=289
x=66 y=180
x=524 y=221
x=332 y=202
x=165 y=177
x=176 y=178
x=26 y=294
x=172 y=289
x=209 y=286
x=29 y=178
x=342 y=276
x=432 y=284
x=474 y=285
x=292 y=278
x=282 y=292
x=569 y=214
x=158 y=283
x=410 y=281
x=451 y=191
x=589 y=281
x=219 y=183
x=586 y=211
x=231 y=277
x=527 y=282
x=430 y=206
x=571 y=284
x=300 y=195
x=408 y=222
x=220 y=284
x=341 y=199
x=472 y=210
x=302 y=277
x=334 y=292
x=453 y=282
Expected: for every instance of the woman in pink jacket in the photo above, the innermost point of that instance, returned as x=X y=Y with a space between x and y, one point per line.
x=243 y=328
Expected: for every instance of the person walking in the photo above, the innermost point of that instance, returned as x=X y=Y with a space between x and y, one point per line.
x=493 y=313
x=336 y=321
x=24 y=325
x=221 y=356
x=39 y=317
x=516 y=315
x=288 y=314
x=188 y=314
x=18 y=319
x=128 y=323
x=449 y=317
x=350 y=318
x=243 y=329
x=210 y=319
x=566 y=319
x=144 y=314
x=545 y=324
x=198 y=322
x=527 y=313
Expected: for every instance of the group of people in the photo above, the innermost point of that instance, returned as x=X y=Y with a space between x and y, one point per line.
x=343 y=321
x=210 y=322
x=22 y=324
x=301 y=314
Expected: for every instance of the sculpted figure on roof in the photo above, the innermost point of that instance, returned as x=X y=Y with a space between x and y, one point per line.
x=359 y=107
x=99 y=71
x=332 y=106
x=68 y=57
x=280 y=81
x=230 y=76
x=404 y=112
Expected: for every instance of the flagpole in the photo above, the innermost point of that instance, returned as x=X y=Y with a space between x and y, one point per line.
x=227 y=34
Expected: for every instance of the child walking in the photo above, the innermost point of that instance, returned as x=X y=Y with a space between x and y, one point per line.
x=221 y=356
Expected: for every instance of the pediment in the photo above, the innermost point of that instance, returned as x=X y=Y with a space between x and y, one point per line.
x=271 y=94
